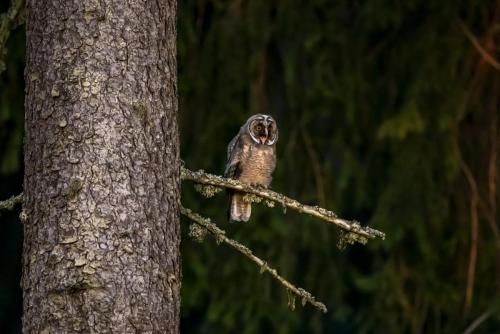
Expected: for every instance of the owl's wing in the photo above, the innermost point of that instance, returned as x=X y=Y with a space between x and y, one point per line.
x=233 y=157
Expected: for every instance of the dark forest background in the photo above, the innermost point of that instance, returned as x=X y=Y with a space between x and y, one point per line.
x=388 y=114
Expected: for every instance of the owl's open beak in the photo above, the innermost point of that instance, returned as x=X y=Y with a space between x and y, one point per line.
x=263 y=137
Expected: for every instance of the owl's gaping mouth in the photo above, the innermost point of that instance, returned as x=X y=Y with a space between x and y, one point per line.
x=263 y=139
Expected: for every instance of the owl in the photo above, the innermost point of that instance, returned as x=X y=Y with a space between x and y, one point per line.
x=251 y=158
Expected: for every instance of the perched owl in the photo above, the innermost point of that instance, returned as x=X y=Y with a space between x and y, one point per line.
x=251 y=158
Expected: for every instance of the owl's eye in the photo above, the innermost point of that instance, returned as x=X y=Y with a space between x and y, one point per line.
x=258 y=127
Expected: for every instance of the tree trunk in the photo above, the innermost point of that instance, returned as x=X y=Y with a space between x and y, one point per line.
x=101 y=249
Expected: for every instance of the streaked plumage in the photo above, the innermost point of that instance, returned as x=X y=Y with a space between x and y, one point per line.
x=251 y=158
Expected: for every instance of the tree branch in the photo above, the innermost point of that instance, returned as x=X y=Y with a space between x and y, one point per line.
x=9 y=21
x=355 y=232
x=200 y=177
x=475 y=324
x=220 y=236
x=477 y=45
x=212 y=184
x=9 y=203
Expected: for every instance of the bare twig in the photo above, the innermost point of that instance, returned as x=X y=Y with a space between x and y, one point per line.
x=220 y=236
x=475 y=324
x=351 y=227
x=9 y=21
x=471 y=271
x=475 y=198
x=482 y=51
x=9 y=203
x=493 y=172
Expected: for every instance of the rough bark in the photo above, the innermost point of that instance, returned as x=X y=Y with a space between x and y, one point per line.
x=101 y=249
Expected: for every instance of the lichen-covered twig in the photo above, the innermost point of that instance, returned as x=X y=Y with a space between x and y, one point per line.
x=9 y=203
x=9 y=21
x=358 y=233
x=220 y=236
x=353 y=230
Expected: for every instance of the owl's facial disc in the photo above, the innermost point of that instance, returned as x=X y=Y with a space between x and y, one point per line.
x=262 y=129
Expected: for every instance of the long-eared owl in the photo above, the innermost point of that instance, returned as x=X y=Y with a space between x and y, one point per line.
x=251 y=158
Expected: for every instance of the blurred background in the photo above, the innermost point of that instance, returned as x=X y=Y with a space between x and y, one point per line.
x=388 y=114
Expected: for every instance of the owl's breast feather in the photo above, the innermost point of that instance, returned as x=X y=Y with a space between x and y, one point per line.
x=257 y=165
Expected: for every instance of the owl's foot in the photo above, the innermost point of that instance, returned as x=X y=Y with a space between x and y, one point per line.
x=258 y=186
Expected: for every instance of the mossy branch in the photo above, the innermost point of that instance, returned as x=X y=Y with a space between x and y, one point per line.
x=210 y=184
x=220 y=236
x=353 y=231
x=9 y=203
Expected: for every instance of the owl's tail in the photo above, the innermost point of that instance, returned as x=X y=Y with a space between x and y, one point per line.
x=239 y=210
